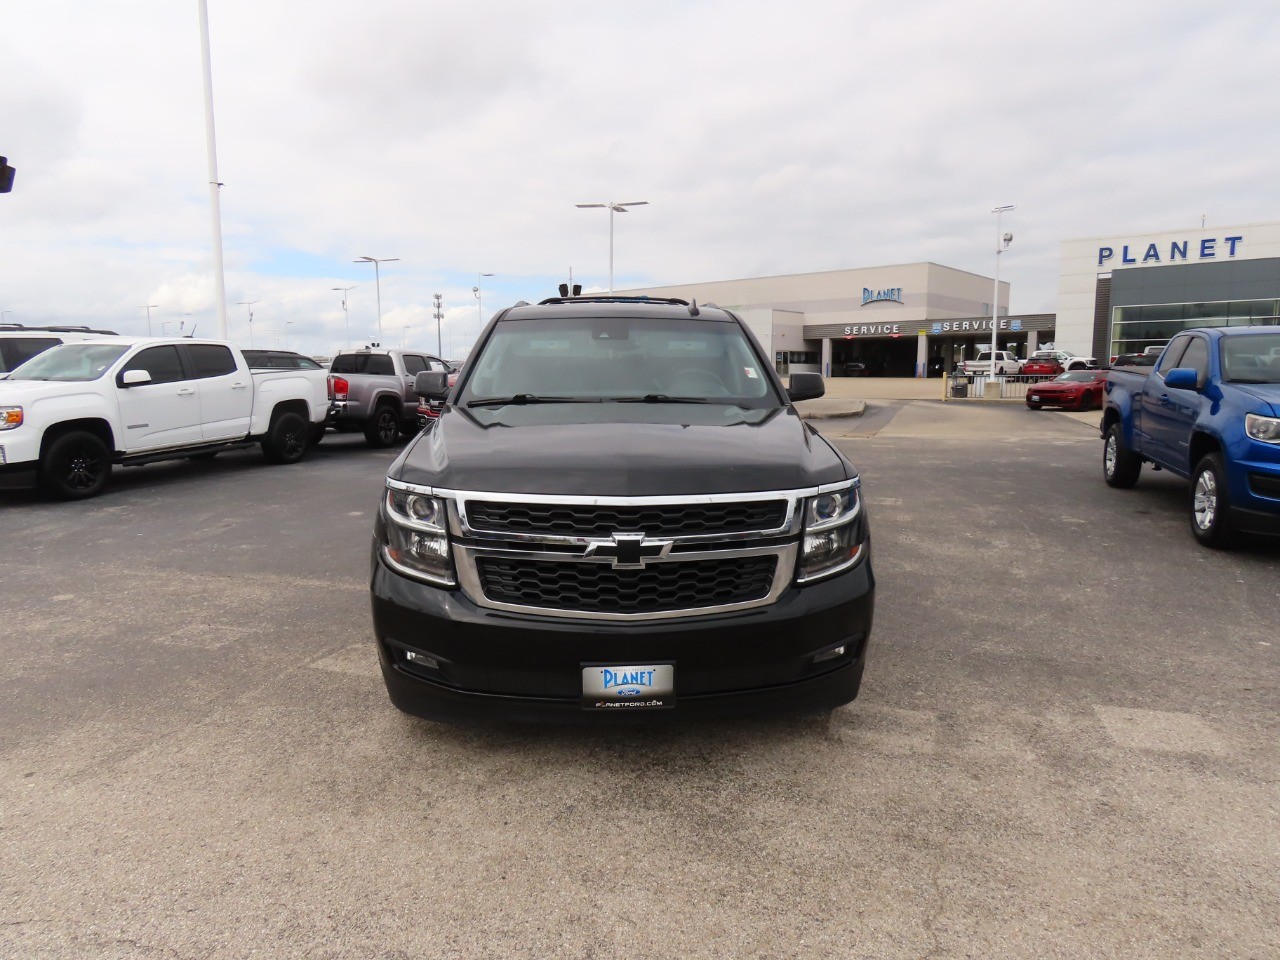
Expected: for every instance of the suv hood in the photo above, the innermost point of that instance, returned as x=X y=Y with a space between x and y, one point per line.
x=614 y=450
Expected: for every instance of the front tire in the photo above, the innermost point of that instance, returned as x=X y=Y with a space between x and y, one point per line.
x=76 y=466
x=1211 y=503
x=384 y=428
x=1120 y=465
x=286 y=439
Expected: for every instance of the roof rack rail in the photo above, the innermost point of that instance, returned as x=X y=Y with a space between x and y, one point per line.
x=10 y=327
x=613 y=298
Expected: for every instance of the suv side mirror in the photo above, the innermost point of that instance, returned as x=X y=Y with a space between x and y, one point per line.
x=806 y=386
x=1182 y=378
x=133 y=378
x=432 y=384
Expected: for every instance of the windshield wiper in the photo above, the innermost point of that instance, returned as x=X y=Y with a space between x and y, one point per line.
x=523 y=398
x=661 y=398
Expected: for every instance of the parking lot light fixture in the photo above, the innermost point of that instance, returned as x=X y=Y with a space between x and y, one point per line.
x=249 y=304
x=480 y=299
x=1002 y=242
x=613 y=207
x=147 y=307
x=377 y=282
x=346 y=320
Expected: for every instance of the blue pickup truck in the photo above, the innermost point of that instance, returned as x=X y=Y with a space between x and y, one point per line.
x=1209 y=411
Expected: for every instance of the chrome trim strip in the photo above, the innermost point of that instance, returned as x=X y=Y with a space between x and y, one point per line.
x=469 y=579
x=792 y=520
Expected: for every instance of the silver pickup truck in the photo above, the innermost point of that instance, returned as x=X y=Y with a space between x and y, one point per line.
x=371 y=390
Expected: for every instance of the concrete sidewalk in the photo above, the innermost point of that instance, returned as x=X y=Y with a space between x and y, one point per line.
x=848 y=396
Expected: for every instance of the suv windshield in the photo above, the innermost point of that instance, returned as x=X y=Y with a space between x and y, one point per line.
x=603 y=359
x=1252 y=359
x=71 y=362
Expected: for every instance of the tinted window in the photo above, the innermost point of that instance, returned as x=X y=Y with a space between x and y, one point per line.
x=1197 y=358
x=375 y=363
x=161 y=362
x=257 y=358
x=611 y=358
x=1173 y=354
x=305 y=363
x=211 y=360
x=19 y=350
x=414 y=364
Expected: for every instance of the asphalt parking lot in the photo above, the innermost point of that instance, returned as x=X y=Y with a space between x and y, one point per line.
x=1065 y=745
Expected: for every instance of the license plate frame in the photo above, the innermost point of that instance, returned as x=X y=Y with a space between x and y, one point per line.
x=628 y=687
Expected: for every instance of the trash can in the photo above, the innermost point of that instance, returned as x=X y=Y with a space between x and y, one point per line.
x=959 y=388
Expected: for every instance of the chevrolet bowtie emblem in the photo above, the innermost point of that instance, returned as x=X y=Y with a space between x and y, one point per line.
x=628 y=551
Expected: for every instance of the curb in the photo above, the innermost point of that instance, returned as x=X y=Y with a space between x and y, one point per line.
x=846 y=408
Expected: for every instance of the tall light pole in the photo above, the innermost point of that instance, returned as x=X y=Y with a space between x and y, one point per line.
x=377 y=282
x=345 y=319
x=148 y=307
x=287 y=325
x=215 y=186
x=249 y=304
x=439 y=299
x=1002 y=242
x=479 y=300
x=613 y=208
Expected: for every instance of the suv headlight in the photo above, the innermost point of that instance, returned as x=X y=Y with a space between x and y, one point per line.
x=10 y=417
x=1266 y=429
x=831 y=541
x=417 y=536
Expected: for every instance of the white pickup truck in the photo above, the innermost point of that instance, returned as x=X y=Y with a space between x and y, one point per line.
x=69 y=414
x=1006 y=363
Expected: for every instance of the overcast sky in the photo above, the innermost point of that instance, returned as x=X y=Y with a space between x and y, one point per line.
x=768 y=138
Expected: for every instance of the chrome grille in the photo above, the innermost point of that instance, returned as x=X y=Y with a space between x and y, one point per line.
x=600 y=588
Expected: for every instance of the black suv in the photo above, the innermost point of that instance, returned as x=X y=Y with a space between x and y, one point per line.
x=620 y=512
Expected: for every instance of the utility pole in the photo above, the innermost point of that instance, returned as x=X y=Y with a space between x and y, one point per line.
x=149 y=307
x=438 y=298
x=249 y=304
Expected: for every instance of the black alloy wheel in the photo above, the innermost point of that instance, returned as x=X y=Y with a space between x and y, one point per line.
x=76 y=465
x=286 y=440
x=384 y=428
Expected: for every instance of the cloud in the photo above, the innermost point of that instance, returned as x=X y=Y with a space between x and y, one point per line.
x=458 y=137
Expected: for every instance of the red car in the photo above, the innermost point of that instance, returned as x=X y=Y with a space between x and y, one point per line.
x=1042 y=367
x=1074 y=390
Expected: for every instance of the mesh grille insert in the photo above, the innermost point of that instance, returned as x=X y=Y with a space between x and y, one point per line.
x=599 y=588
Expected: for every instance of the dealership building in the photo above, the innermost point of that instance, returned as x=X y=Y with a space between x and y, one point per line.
x=1116 y=294
x=1123 y=293
x=903 y=320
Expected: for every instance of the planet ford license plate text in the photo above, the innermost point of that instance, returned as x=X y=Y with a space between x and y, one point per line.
x=629 y=687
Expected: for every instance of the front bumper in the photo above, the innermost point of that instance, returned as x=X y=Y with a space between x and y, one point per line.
x=1255 y=488
x=494 y=665
x=19 y=458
